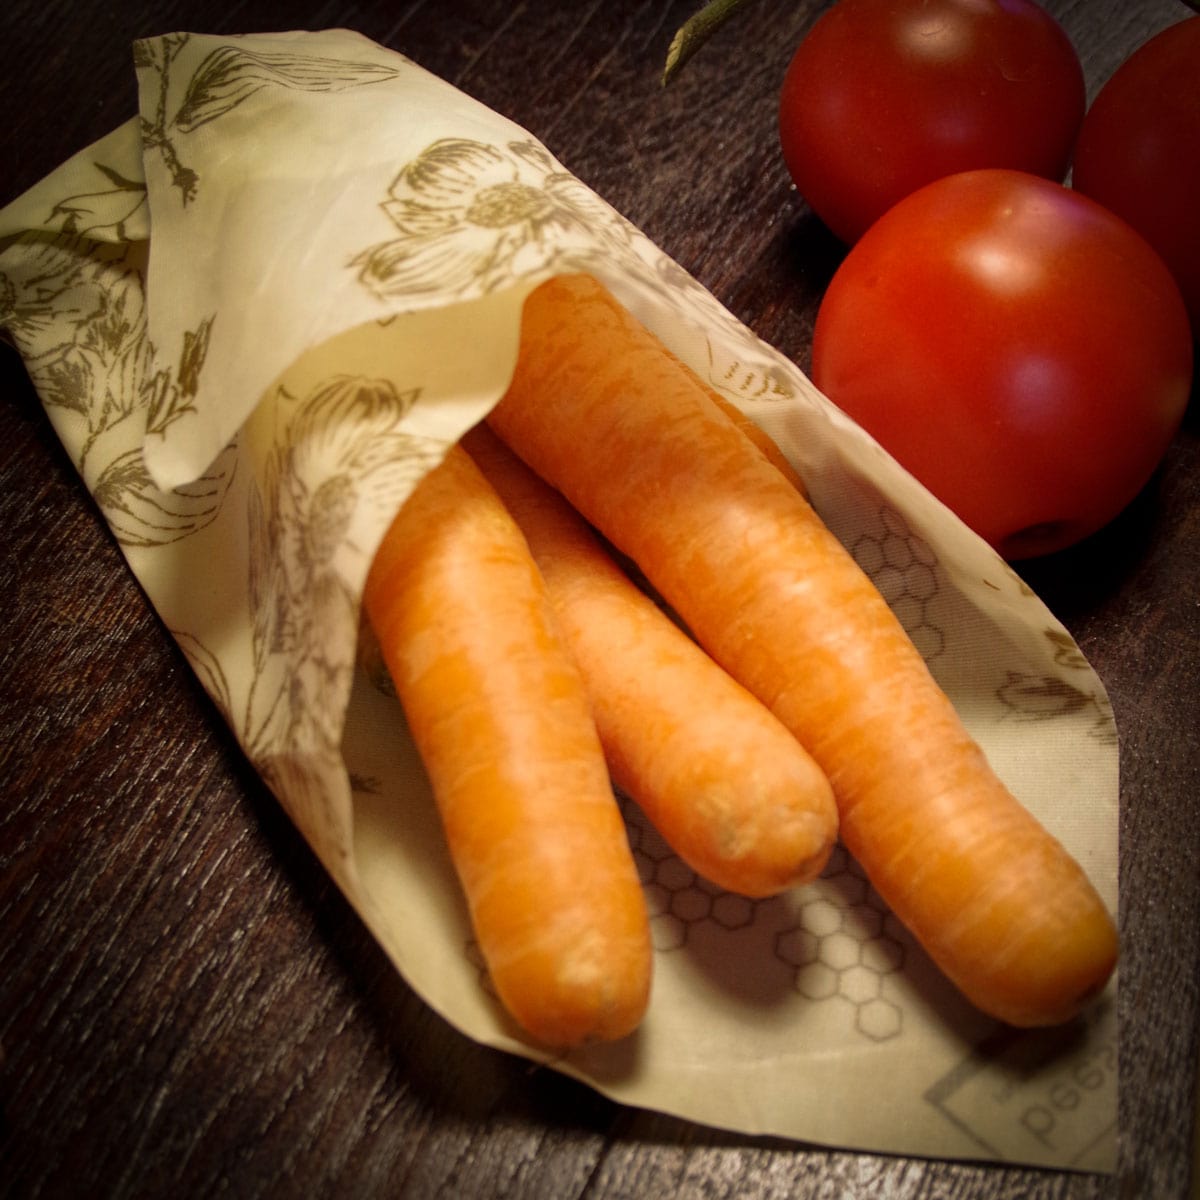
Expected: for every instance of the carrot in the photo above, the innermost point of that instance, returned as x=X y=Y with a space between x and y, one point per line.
x=730 y=790
x=766 y=444
x=499 y=715
x=602 y=411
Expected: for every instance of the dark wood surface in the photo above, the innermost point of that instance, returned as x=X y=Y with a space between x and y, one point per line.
x=188 y=1008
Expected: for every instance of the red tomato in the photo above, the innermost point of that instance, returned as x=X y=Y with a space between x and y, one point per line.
x=1020 y=349
x=884 y=96
x=1139 y=150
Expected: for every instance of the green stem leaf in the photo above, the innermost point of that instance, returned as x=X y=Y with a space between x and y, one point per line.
x=695 y=32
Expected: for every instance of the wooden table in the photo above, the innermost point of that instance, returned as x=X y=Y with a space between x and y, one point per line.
x=188 y=1008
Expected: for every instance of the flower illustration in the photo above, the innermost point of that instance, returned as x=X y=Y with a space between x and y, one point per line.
x=75 y=308
x=341 y=459
x=473 y=216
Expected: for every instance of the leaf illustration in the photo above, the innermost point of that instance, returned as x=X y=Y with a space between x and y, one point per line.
x=191 y=358
x=168 y=404
x=207 y=668
x=1066 y=653
x=1038 y=697
x=232 y=74
x=754 y=381
x=262 y=581
x=141 y=514
x=330 y=512
x=116 y=214
x=64 y=380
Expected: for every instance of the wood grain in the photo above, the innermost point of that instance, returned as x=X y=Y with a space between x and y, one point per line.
x=187 y=1005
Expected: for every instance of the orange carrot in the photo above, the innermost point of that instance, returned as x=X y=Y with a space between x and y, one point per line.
x=762 y=440
x=602 y=411
x=499 y=715
x=728 y=787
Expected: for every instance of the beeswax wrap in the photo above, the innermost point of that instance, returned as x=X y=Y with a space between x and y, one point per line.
x=258 y=312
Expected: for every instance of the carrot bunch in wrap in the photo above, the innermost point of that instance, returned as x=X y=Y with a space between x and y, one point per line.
x=600 y=410
x=532 y=671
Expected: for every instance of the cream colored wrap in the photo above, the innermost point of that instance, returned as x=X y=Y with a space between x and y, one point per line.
x=256 y=314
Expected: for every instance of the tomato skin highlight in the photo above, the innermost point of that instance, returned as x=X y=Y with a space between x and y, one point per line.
x=1018 y=348
x=1139 y=150
x=884 y=96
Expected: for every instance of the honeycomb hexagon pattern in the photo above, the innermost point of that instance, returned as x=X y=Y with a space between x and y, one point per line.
x=904 y=569
x=837 y=939
x=846 y=945
x=677 y=897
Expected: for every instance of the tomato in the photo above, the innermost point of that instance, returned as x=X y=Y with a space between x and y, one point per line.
x=1139 y=150
x=1020 y=349
x=883 y=96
